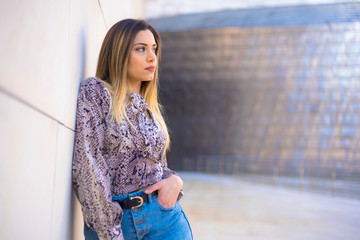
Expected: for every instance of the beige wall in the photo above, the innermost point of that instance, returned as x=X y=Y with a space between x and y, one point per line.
x=47 y=48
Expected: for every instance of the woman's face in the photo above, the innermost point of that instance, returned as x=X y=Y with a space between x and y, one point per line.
x=142 y=61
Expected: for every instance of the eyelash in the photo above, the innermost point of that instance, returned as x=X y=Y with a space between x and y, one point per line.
x=141 y=49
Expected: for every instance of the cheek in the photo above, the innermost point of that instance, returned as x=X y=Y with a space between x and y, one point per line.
x=132 y=67
x=134 y=62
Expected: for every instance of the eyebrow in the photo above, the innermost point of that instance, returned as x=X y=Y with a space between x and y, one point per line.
x=144 y=44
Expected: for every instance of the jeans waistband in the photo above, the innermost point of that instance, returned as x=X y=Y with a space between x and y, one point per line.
x=129 y=195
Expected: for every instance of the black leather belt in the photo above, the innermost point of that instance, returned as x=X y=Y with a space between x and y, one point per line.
x=134 y=202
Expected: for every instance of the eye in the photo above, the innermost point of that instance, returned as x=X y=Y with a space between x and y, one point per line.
x=155 y=49
x=140 y=49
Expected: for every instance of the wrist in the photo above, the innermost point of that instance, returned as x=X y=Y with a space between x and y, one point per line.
x=178 y=180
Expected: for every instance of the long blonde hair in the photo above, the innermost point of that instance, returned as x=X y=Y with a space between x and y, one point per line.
x=113 y=65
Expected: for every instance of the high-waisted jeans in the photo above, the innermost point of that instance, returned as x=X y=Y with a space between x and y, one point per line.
x=151 y=221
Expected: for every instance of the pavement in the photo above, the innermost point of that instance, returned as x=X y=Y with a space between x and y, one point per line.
x=227 y=207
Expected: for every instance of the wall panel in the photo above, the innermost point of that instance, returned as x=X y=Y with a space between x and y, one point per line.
x=34 y=45
x=27 y=171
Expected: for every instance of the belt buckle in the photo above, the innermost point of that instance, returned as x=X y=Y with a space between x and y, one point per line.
x=140 y=199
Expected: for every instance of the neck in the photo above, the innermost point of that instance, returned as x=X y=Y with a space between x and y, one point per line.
x=135 y=86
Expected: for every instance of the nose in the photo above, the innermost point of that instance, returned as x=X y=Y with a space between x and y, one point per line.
x=151 y=57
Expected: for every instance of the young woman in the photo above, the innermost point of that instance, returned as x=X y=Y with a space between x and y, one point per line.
x=120 y=173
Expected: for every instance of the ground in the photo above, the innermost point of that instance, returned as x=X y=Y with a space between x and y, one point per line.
x=226 y=208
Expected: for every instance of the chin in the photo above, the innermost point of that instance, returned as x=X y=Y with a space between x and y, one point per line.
x=148 y=79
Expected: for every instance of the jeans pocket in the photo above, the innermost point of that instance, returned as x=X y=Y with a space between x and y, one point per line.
x=164 y=208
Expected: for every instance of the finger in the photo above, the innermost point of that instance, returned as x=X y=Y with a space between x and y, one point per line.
x=153 y=188
x=166 y=200
x=167 y=204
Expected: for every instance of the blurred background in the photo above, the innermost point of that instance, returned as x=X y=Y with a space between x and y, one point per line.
x=261 y=97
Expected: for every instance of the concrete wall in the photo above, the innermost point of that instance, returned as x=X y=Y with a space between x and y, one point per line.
x=47 y=48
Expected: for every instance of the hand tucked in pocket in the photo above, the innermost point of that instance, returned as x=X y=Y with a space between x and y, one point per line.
x=168 y=190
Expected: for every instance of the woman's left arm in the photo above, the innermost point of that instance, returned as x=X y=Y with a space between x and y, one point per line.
x=168 y=190
x=169 y=187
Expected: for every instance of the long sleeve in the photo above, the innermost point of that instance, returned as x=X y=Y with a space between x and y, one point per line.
x=90 y=174
x=166 y=171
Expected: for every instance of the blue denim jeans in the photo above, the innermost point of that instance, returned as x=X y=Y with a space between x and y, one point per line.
x=150 y=221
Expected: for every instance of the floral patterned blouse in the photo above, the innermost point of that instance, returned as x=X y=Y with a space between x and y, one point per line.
x=113 y=159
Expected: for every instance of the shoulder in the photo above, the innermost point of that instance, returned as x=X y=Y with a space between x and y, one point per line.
x=95 y=87
x=94 y=90
x=92 y=84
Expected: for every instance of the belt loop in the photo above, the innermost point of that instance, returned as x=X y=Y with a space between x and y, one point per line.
x=150 y=198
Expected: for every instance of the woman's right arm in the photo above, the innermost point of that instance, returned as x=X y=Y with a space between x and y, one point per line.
x=91 y=180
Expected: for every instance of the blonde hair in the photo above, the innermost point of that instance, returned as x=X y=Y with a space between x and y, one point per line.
x=113 y=65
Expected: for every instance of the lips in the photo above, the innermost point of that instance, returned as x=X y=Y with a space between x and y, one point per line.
x=150 y=69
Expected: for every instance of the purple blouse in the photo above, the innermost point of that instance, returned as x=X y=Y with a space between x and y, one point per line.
x=113 y=159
